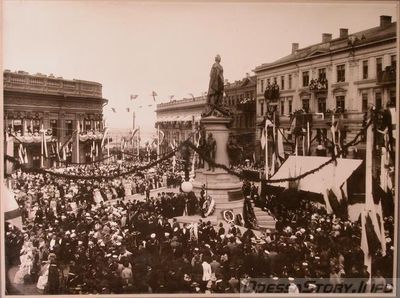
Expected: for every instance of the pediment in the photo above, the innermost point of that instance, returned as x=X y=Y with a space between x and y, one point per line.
x=316 y=53
x=339 y=90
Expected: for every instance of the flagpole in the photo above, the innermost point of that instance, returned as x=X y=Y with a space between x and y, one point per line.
x=266 y=150
x=158 y=140
x=42 y=149
x=108 y=148
x=308 y=138
x=138 y=143
x=368 y=184
x=78 y=130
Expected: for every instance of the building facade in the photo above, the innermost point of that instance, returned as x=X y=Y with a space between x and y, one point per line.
x=240 y=98
x=177 y=119
x=346 y=74
x=67 y=114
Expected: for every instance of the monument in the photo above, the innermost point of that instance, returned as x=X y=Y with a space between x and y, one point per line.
x=224 y=188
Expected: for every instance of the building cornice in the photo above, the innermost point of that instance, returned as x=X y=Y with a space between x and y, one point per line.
x=329 y=53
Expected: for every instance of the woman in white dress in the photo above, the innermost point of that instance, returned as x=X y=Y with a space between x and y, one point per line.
x=26 y=259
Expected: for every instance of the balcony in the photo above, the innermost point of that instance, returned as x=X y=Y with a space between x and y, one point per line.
x=271 y=93
x=22 y=81
x=319 y=85
x=387 y=76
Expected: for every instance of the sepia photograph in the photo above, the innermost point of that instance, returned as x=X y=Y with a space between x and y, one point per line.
x=199 y=148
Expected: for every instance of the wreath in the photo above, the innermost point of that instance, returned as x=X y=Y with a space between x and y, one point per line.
x=228 y=216
x=208 y=206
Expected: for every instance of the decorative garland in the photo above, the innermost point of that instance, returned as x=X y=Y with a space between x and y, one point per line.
x=227 y=218
x=188 y=143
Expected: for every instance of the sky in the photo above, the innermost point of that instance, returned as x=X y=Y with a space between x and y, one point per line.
x=133 y=47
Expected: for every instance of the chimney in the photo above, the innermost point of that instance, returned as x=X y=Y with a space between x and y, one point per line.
x=344 y=32
x=385 y=20
x=295 y=47
x=326 y=37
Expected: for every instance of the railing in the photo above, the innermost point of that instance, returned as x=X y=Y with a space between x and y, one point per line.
x=320 y=84
x=387 y=76
x=26 y=82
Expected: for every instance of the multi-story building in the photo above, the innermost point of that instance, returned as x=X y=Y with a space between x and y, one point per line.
x=240 y=99
x=350 y=72
x=60 y=111
x=177 y=119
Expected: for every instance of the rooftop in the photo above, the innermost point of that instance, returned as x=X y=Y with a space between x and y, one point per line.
x=385 y=31
x=22 y=81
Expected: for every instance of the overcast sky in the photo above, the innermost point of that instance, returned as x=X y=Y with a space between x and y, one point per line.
x=134 y=48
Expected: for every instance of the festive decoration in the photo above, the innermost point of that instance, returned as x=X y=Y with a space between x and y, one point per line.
x=320 y=84
x=228 y=216
x=208 y=206
x=272 y=92
x=189 y=144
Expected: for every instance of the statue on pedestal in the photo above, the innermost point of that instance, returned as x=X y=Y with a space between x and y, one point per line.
x=202 y=147
x=211 y=150
x=216 y=91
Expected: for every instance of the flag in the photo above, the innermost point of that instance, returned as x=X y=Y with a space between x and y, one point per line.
x=25 y=156
x=134 y=96
x=139 y=107
x=134 y=132
x=338 y=203
x=281 y=151
x=149 y=105
x=97 y=148
x=154 y=94
x=373 y=236
x=44 y=143
x=64 y=154
x=171 y=97
x=128 y=110
x=105 y=133
x=58 y=149
x=162 y=136
x=21 y=154
x=114 y=110
x=263 y=139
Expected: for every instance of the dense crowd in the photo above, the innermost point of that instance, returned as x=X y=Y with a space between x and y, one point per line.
x=74 y=243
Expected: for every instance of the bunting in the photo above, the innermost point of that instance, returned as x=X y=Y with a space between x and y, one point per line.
x=134 y=96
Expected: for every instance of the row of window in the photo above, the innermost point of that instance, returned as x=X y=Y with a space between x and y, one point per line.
x=234 y=100
x=379 y=66
x=340 y=73
x=34 y=126
x=286 y=106
x=275 y=81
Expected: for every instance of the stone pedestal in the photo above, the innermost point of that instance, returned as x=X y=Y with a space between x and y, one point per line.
x=223 y=187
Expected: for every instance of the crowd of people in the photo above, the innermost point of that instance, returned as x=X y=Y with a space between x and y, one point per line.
x=74 y=242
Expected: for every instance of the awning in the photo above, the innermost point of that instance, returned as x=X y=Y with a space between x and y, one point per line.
x=178 y=118
x=330 y=176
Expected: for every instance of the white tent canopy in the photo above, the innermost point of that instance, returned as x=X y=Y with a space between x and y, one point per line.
x=11 y=208
x=332 y=176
